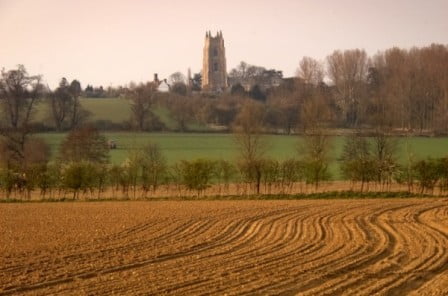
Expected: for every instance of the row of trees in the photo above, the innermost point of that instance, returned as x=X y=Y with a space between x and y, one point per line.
x=25 y=158
x=404 y=90
x=82 y=166
x=87 y=172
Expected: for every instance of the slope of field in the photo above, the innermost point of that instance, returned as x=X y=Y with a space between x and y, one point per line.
x=113 y=110
x=357 y=247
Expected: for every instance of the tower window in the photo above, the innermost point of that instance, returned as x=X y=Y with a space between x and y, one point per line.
x=215 y=67
x=215 y=52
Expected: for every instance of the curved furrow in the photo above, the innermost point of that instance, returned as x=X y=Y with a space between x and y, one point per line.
x=86 y=252
x=240 y=230
x=409 y=237
x=247 y=235
x=379 y=243
x=431 y=261
x=436 y=218
x=367 y=275
x=233 y=265
x=290 y=282
x=74 y=252
x=311 y=247
x=265 y=263
x=82 y=262
x=300 y=279
x=167 y=269
x=378 y=278
x=282 y=259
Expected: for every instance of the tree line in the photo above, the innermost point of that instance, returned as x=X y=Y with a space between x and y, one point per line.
x=397 y=90
x=403 y=90
x=82 y=167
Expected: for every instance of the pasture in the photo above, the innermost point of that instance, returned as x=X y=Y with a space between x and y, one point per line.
x=114 y=111
x=178 y=146
x=306 y=247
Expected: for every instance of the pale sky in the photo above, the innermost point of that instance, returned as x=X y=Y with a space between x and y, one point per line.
x=115 y=42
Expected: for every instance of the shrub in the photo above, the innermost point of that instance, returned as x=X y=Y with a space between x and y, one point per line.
x=197 y=174
x=426 y=173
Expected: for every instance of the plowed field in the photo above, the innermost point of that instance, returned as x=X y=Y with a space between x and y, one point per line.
x=309 y=247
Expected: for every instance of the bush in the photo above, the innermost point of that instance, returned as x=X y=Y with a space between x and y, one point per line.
x=291 y=171
x=197 y=174
x=426 y=173
x=224 y=172
x=79 y=177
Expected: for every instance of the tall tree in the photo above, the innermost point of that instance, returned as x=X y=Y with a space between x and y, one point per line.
x=316 y=147
x=61 y=102
x=19 y=93
x=77 y=113
x=182 y=110
x=248 y=129
x=141 y=98
x=310 y=71
x=154 y=167
x=348 y=70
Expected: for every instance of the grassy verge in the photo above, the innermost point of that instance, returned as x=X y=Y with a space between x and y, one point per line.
x=320 y=195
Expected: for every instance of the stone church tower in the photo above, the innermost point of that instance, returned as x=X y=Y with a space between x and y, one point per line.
x=214 y=71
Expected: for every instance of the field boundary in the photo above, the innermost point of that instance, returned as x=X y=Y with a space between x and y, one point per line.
x=329 y=195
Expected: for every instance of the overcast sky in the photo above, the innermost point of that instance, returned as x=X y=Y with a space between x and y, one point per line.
x=115 y=42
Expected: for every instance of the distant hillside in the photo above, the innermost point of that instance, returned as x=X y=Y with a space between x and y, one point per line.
x=109 y=112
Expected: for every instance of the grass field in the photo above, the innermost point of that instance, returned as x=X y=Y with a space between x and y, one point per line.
x=303 y=247
x=115 y=111
x=177 y=146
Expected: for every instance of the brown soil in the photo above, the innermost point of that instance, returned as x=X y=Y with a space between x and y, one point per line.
x=309 y=247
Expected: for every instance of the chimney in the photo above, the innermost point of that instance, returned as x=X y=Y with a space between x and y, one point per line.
x=156 y=77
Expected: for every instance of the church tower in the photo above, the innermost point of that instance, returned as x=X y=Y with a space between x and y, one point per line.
x=214 y=71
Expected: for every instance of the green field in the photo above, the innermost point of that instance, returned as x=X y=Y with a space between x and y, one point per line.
x=113 y=110
x=178 y=146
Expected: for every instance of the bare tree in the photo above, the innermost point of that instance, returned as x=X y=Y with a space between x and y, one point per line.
x=154 y=167
x=78 y=113
x=61 y=102
x=357 y=162
x=347 y=70
x=316 y=147
x=248 y=131
x=316 y=156
x=384 y=153
x=19 y=93
x=394 y=66
x=182 y=110
x=84 y=144
x=251 y=143
x=141 y=98
x=310 y=71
